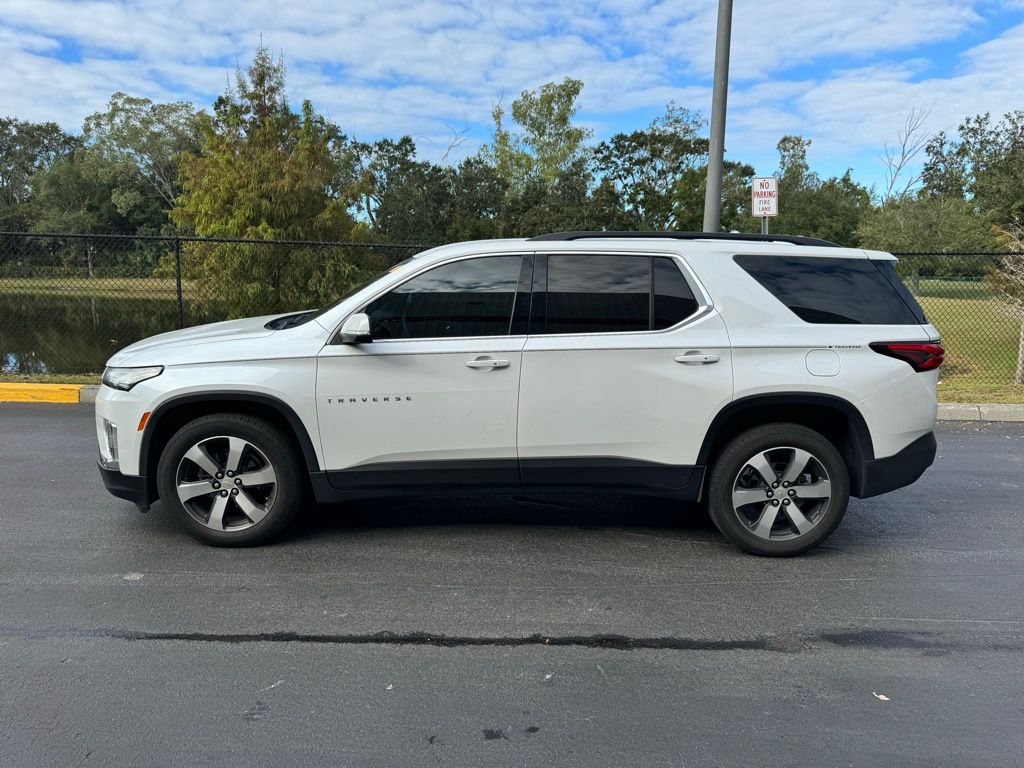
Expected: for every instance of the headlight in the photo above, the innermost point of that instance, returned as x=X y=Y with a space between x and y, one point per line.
x=126 y=378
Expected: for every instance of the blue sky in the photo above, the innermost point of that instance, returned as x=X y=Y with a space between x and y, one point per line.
x=844 y=74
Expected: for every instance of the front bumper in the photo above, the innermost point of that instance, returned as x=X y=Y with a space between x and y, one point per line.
x=883 y=475
x=130 y=487
x=124 y=410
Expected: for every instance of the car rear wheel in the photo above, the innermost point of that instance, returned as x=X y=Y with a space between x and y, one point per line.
x=778 y=490
x=231 y=479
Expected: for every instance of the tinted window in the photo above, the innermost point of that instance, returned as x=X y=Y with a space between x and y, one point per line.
x=473 y=297
x=598 y=294
x=888 y=269
x=827 y=290
x=673 y=299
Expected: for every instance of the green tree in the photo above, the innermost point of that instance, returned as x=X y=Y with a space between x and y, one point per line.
x=87 y=192
x=983 y=163
x=548 y=142
x=647 y=166
x=264 y=172
x=478 y=201
x=561 y=203
x=507 y=153
x=794 y=171
x=925 y=223
x=150 y=136
x=25 y=149
x=606 y=209
x=829 y=209
x=945 y=171
x=403 y=199
x=688 y=198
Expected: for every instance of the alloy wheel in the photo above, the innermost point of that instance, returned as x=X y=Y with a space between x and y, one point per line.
x=781 y=493
x=226 y=483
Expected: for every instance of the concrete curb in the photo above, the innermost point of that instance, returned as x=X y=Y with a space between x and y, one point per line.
x=41 y=393
x=48 y=393
x=981 y=412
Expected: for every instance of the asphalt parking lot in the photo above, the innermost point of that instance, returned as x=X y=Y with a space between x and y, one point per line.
x=497 y=631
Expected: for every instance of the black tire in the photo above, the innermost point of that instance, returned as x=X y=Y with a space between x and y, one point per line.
x=739 y=522
x=266 y=445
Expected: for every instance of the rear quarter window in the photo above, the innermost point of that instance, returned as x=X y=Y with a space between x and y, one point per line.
x=836 y=291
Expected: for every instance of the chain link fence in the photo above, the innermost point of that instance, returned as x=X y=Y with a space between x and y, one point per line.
x=67 y=302
x=979 y=313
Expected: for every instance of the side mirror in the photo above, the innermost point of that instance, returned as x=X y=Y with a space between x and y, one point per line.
x=356 y=329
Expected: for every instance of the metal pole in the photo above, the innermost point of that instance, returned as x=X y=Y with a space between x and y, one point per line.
x=764 y=225
x=177 y=281
x=716 y=151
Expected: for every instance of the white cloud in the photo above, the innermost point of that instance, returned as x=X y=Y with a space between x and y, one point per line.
x=427 y=67
x=770 y=36
x=866 y=107
x=852 y=114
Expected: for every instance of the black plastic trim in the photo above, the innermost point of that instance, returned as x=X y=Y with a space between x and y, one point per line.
x=901 y=469
x=538 y=323
x=862 y=448
x=861 y=433
x=570 y=474
x=603 y=472
x=305 y=443
x=127 y=487
x=731 y=236
x=420 y=474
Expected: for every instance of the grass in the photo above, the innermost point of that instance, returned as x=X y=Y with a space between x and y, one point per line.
x=981 y=340
x=98 y=287
x=949 y=287
x=49 y=378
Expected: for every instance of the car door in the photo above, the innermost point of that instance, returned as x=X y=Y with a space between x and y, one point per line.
x=624 y=368
x=432 y=399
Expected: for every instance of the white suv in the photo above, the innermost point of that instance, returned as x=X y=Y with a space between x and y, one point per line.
x=770 y=377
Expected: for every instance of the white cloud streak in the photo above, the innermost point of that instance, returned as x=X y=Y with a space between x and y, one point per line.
x=432 y=66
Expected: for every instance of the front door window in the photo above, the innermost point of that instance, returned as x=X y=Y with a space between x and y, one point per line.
x=472 y=297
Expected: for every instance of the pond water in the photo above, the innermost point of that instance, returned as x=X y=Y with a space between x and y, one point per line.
x=76 y=334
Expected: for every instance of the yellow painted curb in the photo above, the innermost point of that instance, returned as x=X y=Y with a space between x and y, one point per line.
x=40 y=393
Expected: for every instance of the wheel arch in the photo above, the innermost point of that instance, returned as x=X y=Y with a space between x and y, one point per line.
x=835 y=418
x=174 y=413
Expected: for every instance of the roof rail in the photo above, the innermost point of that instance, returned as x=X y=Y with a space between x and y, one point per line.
x=735 y=236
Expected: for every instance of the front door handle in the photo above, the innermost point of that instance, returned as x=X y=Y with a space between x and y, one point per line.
x=486 y=363
x=696 y=358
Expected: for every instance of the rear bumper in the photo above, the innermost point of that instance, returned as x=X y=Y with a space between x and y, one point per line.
x=130 y=487
x=903 y=468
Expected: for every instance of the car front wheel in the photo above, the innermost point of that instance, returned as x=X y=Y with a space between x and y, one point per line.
x=231 y=479
x=778 y=490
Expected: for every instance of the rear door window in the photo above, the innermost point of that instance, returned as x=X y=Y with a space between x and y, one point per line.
x=836 y=291
x=604 y=293
x=598 y=294
x=673 y=299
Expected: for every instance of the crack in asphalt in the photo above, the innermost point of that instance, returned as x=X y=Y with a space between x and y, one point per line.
x=932 y=643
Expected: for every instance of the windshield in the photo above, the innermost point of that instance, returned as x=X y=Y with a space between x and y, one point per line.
x=358 y=286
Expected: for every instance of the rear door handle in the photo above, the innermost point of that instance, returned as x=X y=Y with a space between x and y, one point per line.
x=486 y=363
x=696 y=358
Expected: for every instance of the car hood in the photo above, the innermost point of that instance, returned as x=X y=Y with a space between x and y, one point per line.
x=153 y=351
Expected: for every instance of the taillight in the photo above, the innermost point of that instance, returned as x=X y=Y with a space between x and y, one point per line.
x=920 y=357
